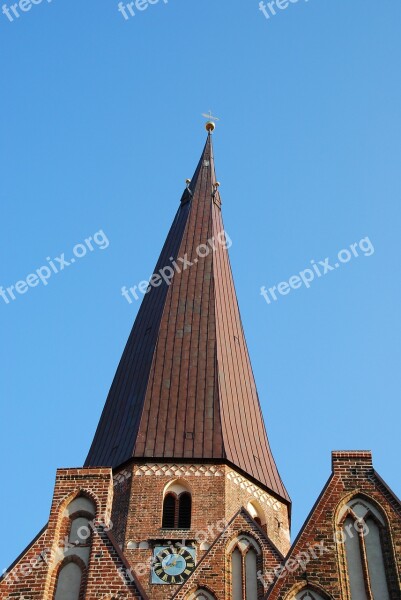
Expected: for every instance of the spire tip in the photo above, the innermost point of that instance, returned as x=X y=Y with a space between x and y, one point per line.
x=211 y=121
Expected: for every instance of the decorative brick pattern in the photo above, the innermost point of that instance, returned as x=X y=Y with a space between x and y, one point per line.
x=256 y=492
x=167 y=470
x=240 y=491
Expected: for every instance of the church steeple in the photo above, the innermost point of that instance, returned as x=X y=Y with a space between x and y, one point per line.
x=184 y=389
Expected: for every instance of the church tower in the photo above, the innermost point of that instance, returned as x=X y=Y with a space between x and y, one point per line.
x=180 y=497
x=182 y=426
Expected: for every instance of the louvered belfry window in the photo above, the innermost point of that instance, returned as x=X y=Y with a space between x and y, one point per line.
x=177 y=511
x=184 y=511
x=169 y=510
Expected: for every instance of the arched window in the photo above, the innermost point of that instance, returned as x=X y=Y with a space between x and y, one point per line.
x=80 y=531
x=244 y=568
x=81 y=504
x=201 y=594
x=236 y=575
x=169 y=509
x=177 y=507
x=76 y=524
x=365 y=540
x=307 y=594
x=69 y=582
x=256 y=512
x=251 y=570
x=80 y=511
x=184 y=510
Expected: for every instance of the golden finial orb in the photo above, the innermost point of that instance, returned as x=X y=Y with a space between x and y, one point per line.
x=211 y=121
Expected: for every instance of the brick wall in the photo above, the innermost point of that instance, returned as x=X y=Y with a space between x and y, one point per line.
x=134 y=501
x=218 y=492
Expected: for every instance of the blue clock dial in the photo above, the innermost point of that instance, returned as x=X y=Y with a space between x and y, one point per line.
x=172 y=565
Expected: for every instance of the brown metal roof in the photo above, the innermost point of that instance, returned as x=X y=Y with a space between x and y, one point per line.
x=184 y=388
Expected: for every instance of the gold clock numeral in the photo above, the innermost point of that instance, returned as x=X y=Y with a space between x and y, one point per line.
x=165 y=577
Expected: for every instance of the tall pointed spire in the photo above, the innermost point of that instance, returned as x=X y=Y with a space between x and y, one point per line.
x=184 y=388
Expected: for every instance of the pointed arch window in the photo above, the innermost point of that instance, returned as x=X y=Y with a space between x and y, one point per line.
x=80 y=512
x=307 y=594
x=80 y=531
x=256 y=512
x=244 y=569
x=71 y=579
x=201 y=594
x=177 y=508
x=184 y=510
x=366 y=551
x=236 y=575
x=69 y=582
x=169 y=510
x=251 y=570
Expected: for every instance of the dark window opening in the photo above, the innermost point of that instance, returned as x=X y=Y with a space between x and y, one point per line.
x=184 y=511
x=177 y=511
x=169 y=511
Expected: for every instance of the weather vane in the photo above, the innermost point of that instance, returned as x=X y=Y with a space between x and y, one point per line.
x=211 y=121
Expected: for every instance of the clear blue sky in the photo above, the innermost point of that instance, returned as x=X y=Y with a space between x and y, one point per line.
x=100 y=121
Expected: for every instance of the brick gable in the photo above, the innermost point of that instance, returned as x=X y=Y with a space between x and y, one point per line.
x=34 y=574
x=316 y=558
x=213 y=571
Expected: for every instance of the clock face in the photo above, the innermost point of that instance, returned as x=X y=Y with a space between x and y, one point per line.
x=172 y=565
